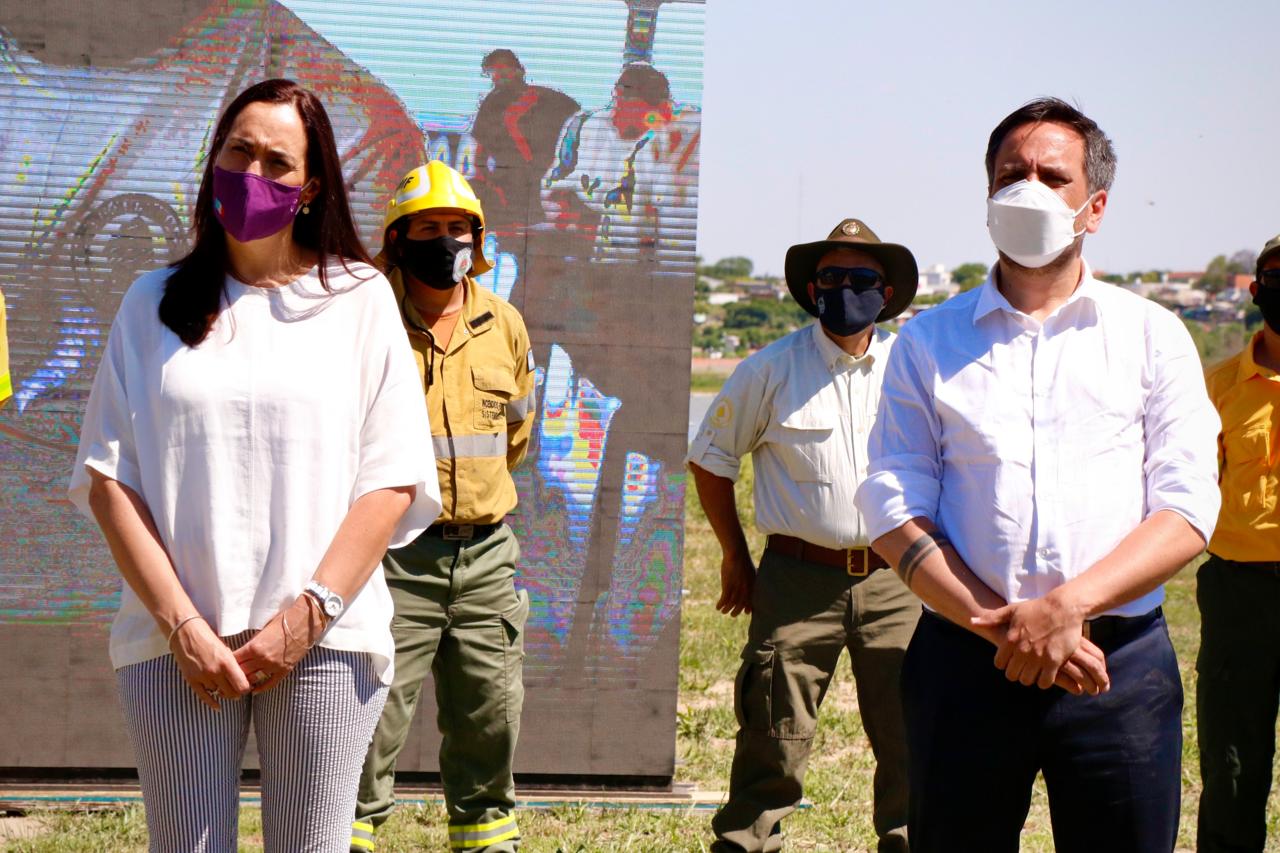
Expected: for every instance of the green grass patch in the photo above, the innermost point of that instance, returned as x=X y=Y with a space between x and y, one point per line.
x=706 y=381
x=838 y=780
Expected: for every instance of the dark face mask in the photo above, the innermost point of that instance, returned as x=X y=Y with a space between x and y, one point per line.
x=844 y=311
x=1268 y=301
x=440 y=263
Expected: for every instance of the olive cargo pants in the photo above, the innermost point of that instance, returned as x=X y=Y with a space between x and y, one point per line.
x=803 y=615
x=458 y=617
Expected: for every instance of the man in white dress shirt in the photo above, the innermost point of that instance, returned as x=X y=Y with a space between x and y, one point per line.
x=1044 y=460
x=803 y=407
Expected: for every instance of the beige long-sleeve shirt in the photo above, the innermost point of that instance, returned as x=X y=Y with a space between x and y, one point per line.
x=803 y=408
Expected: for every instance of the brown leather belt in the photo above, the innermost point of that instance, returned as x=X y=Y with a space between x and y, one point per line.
x=857 y=562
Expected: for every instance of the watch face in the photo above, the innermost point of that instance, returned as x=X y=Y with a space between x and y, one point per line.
x=333 y=607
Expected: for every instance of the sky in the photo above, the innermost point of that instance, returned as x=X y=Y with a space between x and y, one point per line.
x=815 y=110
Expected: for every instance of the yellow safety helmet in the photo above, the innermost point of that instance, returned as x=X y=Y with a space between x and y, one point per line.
x=437 y=187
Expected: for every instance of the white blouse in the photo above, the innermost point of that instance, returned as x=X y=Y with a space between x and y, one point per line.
x=250 y=448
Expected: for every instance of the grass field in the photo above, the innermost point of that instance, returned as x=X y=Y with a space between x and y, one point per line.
x=838 y=781
x=706 y=381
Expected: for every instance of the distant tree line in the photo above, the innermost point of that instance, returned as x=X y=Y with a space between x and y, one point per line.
x=1217 y=273
x=968 y=276
x=725 y=269
x=757 y=322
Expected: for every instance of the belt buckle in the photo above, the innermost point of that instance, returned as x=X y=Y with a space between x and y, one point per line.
x=455 y=532
x=866 y=562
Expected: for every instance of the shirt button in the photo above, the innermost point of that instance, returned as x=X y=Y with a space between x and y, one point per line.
x=1046 y=552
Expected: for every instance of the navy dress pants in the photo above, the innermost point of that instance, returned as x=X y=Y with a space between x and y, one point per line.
x=1112 y=763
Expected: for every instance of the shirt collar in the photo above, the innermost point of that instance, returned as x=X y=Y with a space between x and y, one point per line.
x=1250 y=368
x=833 y=357
x=991 y=299
x=470 y=305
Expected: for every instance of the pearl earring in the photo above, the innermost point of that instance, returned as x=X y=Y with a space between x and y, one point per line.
x=306 y=208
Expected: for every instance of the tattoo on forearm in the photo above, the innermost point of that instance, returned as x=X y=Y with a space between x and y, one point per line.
x=917 y=552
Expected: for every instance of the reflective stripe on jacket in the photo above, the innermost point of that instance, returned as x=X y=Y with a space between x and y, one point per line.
x=481 y=401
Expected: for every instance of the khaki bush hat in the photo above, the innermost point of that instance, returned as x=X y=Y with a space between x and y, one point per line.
x=900 y=271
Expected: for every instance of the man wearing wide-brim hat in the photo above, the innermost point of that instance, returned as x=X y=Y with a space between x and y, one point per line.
x=803 y=407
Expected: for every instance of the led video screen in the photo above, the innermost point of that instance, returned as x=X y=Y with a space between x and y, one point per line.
x=590 y=193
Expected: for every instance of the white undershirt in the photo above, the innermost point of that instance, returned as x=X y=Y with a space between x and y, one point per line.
x=250 y=448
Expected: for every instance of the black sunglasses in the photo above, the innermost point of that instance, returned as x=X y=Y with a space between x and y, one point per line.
x=861 y=278
x=1270 y=278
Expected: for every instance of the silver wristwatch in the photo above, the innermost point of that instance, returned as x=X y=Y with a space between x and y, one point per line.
x=331 y=604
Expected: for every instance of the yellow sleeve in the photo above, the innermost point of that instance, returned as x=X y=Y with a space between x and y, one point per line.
x=6 y=381
x=523 y=406
x=1216 y=384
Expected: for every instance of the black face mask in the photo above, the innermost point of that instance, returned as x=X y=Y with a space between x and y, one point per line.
x=845 y=311
x=1268 y=301
x=440 y=263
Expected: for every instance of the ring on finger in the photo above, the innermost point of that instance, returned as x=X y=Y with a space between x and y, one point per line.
x=261 y=677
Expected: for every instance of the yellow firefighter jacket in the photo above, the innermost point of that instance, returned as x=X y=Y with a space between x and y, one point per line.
x=480 y=397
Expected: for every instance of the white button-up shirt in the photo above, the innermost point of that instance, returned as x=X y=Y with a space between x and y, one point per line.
x=803 y=408
x=1037 y=447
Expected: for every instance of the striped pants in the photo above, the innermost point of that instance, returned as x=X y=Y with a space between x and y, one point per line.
x=312 y=732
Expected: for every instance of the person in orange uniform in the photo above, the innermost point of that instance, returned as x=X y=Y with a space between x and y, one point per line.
x=458 y=614
x=6 y=382
x=1238 y=588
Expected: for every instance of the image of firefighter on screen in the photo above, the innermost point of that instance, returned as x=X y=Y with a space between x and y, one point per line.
x=99 y=214
x=621 y=171
x=516 y=128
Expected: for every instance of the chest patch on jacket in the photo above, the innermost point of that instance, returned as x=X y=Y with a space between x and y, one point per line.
x=492 y=412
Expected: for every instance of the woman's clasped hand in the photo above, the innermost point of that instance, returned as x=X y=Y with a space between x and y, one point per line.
x=215 y=671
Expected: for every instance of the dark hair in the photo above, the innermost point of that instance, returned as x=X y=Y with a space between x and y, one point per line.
x=493 y=57
x=1099 y=155
x=193 y=294
x=645 y=83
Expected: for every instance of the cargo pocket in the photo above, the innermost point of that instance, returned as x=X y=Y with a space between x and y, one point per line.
x=513 y=622
x=494 y=388
x=753 y=690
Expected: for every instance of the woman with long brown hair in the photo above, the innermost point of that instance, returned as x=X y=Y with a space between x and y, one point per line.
x=251 y=446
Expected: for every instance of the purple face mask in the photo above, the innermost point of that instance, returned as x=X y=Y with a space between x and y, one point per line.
x=250 y=207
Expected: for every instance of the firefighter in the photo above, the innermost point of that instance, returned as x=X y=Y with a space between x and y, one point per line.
x=6 y=382
x=458 y=614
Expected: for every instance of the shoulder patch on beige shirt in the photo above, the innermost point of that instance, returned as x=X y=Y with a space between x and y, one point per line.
x=723 y=415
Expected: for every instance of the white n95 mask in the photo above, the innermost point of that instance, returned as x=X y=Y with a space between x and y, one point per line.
x=1031 y=223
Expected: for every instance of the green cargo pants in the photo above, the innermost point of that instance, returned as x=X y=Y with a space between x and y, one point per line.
x=457 y=616
x=803 y=615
